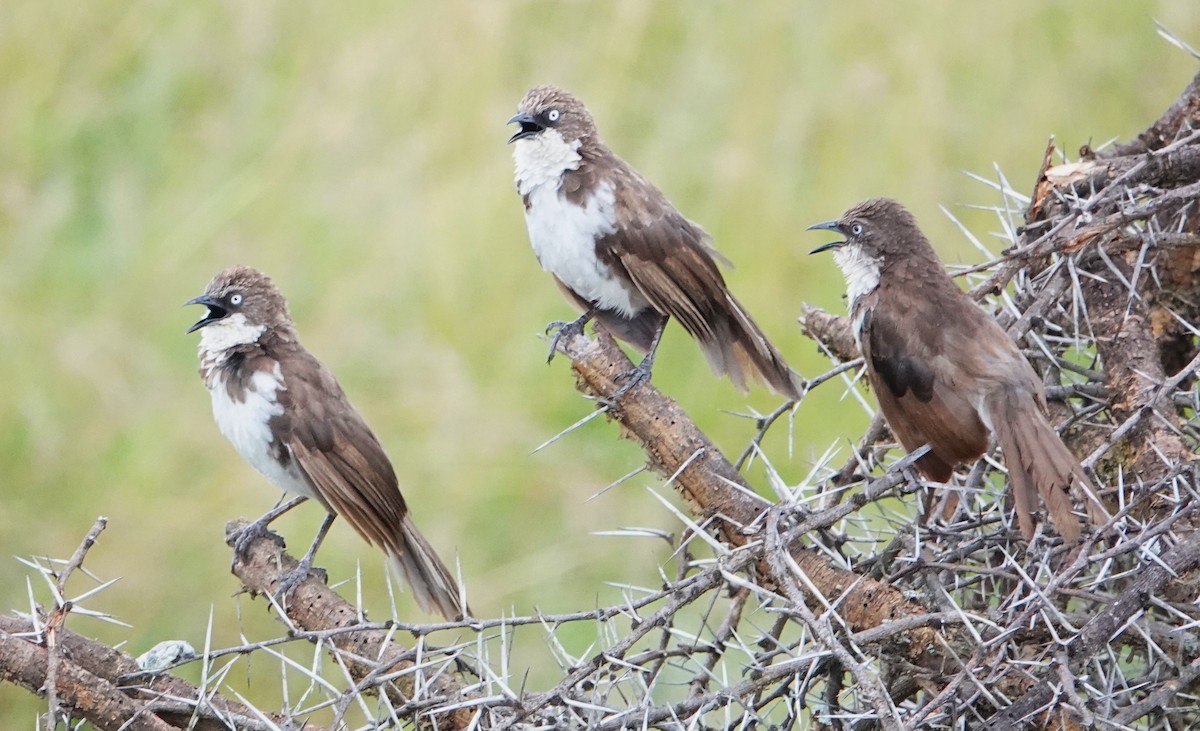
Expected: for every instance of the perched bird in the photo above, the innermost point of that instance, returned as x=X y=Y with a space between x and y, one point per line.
x=622 y=253
x=945 y=373
x=287 y=416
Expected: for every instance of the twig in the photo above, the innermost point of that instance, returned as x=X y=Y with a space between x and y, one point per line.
x=866 y=682
x=1102 y=628
x=58 y=618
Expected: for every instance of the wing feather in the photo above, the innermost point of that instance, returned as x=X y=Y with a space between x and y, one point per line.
x=673 y=264
x=340 y=454
x=915 y=385
x=348 y=468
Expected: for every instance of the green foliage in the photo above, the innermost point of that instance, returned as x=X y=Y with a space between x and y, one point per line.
x=356 y=153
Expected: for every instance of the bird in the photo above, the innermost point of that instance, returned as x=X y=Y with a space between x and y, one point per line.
x=623 y=254
x=286 y=415
x=943 y=370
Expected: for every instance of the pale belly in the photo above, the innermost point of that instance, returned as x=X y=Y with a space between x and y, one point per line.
x=564 y=236
x=246 y=424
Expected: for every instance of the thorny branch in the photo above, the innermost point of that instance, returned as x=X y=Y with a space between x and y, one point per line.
x=102 y=684
x=832 y=603
x=58 y=617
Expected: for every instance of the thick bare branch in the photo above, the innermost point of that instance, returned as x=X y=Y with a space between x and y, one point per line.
x=79 y=692
x=419 y=689
x=213 y=712
x=715 y=491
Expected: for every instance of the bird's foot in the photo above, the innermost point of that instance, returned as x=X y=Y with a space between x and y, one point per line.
x=246 y=536
x=640 y=373
x=564 y=329
x=243 y=538
x=287 y=583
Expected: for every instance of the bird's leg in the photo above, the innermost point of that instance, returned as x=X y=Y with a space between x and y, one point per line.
x=641 y=371
x=244 y=537
x=563 y=329
x=292 y=579
x=940 y=502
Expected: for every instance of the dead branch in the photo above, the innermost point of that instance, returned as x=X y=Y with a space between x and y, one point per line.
x=102 y=684
x=417 y=680
x=81 y=693
x=831 y=331
x=1102 y=630
x=712 y=488
x=716 y=493
x=120 y=671
x=876 y=619
x=58 y=618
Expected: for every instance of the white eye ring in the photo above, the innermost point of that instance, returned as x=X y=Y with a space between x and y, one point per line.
x=856 y=229
x=235 y=299
x=552 y=115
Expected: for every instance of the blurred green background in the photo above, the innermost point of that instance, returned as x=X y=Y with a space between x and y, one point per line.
x=356 y=152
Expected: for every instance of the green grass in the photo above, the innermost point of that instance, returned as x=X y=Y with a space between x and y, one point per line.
x=356 y=153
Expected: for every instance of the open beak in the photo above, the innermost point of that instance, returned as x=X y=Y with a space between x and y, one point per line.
x=215 y=311
x=827 y=226
x=529 y=126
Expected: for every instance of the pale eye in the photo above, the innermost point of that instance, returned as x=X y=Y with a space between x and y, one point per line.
x=236 y=299
x=552 y=115
x=856 y=229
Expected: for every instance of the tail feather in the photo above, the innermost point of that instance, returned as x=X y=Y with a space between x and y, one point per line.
x=1039 y=464
x=739 y=349
x=417 y=564
x=731 y=341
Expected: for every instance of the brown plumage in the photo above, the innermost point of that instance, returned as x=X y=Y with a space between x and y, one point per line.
x=944 y=372
x=314 y=442
x=664 y=263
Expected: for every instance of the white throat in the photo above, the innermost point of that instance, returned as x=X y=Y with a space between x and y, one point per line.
x=543 y=158
x=860 y=270
x=229 y=332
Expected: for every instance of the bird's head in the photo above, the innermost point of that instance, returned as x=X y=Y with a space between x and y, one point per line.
x=877 y=232
x=548 y=111
x=871 y=228
x=242 y=304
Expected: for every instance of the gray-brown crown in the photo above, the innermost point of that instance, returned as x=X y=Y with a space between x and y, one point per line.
x=245 y=290
x=549 y=107
x=885 y=230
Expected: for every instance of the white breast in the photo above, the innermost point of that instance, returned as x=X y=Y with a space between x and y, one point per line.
x=543 y=158
x=862 y=277
x=246 y=424
x=860 y=270
x=564 y=234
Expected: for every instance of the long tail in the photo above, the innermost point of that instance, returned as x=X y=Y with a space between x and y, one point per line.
x=1039 y=464
x=738 y=348
x=418 y=565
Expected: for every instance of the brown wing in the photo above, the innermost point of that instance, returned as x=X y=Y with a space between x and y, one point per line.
x=672 y=263
x=347 y=466
x=339 y=454
x=666 y=256
x=918 y=387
